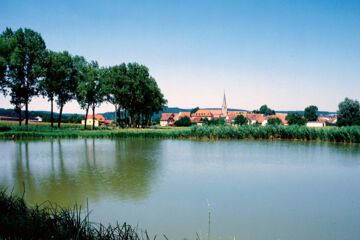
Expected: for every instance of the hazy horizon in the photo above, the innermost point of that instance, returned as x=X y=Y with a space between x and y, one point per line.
x=286 y=54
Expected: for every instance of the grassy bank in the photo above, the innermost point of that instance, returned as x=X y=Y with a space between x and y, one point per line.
x=48 y=221
x=331 y=134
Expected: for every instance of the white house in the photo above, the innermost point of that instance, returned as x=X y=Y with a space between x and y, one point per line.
x=315 y=124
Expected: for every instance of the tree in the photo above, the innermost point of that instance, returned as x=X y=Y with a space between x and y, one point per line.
x=89 y=91
x=4 y=59
x=194 y=110
x=348 y=113
x=205 y=121
x=65 y=76
x=24 y=68
x=295 y=119
x=264 y=109
x=310 y=113
x=116 y=85
x=221 y=121
x=240 y=120
x=83 y=91
x=145 y=97
x=59 y=80
x=274 y=121
x=184 y=121
x=153 y=101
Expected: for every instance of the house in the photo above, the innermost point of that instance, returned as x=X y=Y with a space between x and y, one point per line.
x=332 y=120
x=183 y=114
x=99 y=120
x=203 y=113
x=315 y=124
x=38 y=119
x=168 y=119
x=197 y=120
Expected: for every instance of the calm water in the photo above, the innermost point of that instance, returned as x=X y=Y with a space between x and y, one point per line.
x=257 y=189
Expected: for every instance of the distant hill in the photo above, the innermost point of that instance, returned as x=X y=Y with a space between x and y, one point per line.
x=111 y=115
x=320 y=113
x=32 y=114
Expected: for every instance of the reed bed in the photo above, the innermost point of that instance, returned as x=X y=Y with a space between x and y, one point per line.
x=330 y=134
x=48 y=221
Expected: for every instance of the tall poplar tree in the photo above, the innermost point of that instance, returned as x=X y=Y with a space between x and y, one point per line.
x=24 y=68
x=67 y=80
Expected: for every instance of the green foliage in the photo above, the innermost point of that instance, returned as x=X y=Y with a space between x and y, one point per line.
x=24 y=65
x=334 y=134
x=18 y=220
x=264 y=109
x=214 y=122
x=183 y=122
x=240 y=120
x=194 y=110
x=60 y=79
x=295 y=119
x=221 y=121
x=274 y=121
x=311 y=113
x=348 y=113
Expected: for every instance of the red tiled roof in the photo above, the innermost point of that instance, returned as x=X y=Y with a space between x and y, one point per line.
x=196 y=119
x=98 y=117
x=203 y=113
x=281 y=116
x=166 y=116
x=176 y=116
x=183 y=114
x=323 y=119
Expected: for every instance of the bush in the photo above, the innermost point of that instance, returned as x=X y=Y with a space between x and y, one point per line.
x=183 y=122
x=274 y=121
x=295 y=119
x=240 y=120
x=20 y=221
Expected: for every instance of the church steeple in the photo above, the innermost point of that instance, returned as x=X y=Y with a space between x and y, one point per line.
x=224 y=107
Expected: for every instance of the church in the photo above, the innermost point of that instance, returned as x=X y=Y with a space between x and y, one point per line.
x=168 y=119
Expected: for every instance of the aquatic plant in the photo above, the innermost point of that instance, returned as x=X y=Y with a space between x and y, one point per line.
x=294 y=132
x=18 y=220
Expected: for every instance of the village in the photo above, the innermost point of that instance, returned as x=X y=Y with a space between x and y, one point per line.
x=201 y=115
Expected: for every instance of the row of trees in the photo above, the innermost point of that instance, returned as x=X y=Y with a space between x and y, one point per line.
x=28 y=69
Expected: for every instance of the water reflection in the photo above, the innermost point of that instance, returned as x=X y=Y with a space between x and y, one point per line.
x=71 y=171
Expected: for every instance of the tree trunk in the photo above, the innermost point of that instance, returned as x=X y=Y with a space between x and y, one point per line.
x=52 y=112
x=116 y=115
x=60 y=115
x=20 y=117
x=87 y=111
x=130 y=119
x=149 y=120
x=26 y=113
x=93 y=125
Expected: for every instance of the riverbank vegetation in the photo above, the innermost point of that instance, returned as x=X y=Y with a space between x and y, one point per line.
x=29 y=69
x=18 y=220
x=293 y=132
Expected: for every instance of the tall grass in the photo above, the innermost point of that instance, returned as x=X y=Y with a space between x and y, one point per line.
x=48 y=221
x=331 y=134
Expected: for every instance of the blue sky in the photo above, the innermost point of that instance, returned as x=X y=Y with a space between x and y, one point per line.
x=287 y=54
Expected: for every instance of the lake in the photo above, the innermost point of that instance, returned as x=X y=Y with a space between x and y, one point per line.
x=256 y=189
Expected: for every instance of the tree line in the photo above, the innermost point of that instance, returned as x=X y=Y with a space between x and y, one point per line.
x=28 y=69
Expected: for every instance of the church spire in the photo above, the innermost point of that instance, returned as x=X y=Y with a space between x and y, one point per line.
x=224 y=101
x=224 y=107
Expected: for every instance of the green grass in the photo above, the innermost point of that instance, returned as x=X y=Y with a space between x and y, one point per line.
x=18 y=220
x=331 y=134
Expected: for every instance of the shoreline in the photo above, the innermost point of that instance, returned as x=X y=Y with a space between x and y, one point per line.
x=293 y=133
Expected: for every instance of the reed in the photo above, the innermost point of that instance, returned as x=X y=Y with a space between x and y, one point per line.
x=18 y=220
x=330 y=134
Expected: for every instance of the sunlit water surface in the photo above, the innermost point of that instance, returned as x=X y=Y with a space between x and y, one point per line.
x=256 y=189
